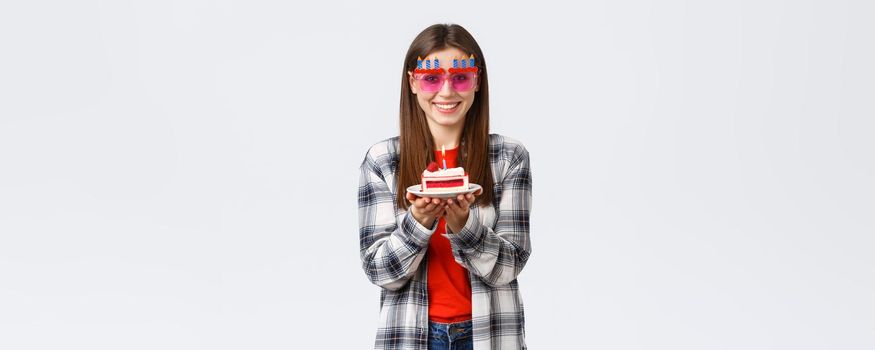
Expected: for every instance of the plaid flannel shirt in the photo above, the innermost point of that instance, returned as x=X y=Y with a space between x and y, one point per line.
x=493 y=246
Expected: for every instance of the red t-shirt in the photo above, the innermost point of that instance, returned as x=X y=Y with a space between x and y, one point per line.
x=449 y=290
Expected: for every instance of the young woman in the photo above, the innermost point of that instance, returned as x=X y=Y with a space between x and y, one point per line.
x=447 y=267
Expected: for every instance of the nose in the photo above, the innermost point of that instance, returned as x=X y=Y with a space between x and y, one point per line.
x=446 y=88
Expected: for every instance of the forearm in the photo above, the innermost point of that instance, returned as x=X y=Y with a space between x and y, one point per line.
x=497 y=257
x=392 y=254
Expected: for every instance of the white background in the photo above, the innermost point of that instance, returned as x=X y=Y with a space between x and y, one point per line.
x=183 y=174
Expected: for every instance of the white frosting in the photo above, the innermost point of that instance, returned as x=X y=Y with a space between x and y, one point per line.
x=448 y=172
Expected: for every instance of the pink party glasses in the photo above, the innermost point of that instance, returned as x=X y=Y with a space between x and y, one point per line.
x=434 y=81
x=462 y=77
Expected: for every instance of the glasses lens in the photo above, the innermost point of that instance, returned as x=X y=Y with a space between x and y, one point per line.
x=430 y=82
x=463 y=81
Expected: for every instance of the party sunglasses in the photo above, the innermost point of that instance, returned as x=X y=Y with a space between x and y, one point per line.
x=433 y=81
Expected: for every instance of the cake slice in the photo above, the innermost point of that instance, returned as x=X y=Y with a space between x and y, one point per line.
x=439 y=180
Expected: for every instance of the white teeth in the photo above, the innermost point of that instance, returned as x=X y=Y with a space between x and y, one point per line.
x=450 y=106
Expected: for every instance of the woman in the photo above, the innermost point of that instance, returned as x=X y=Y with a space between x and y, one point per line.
x=447 y=267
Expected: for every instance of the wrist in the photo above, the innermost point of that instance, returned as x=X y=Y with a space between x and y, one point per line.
x=427 y=222
x=424 y=220
x=456 y=226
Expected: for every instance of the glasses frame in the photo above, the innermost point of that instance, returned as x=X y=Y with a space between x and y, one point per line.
x=445 y=75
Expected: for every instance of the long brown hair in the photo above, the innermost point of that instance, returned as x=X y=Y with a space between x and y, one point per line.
x=416 y=142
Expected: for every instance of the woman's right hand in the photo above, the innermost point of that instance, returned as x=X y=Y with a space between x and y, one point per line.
x=426 y=209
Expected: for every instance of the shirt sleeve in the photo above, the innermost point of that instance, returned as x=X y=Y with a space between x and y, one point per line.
x=390 y=253
x=497 y=255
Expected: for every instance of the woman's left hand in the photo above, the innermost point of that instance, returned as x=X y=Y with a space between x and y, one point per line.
x=457 y=211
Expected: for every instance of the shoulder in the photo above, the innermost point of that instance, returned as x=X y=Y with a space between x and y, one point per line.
x=382 y=155
x=507 y=149
x=383 y=148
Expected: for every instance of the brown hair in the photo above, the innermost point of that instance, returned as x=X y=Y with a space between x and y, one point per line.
x=416 y=143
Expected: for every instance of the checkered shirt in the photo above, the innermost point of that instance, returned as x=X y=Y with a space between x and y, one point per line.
x=493 y=246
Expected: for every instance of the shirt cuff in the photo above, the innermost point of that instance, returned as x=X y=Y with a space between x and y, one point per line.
x=418 y=234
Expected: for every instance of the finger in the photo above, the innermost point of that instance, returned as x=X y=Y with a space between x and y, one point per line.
x=452 y=203
x=430 y=207
x=448 y=211
x=453 y=206
x=418 y=203
x=410 y=197
x=464 y=203
x=461 y=201
x=462 y=206
x=435 y=204
x=441 y=211
x=456 y=212
x=433 y=201
x=441 y=204
x=427 y=201
x=436 y=212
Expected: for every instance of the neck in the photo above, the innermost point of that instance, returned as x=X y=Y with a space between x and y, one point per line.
x=448 y=136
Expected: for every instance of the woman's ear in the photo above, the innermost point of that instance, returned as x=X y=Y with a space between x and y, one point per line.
x=411 y=82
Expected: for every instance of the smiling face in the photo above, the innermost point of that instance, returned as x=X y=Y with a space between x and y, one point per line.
x=445 y=107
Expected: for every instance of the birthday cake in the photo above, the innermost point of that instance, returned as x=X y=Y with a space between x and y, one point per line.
x=435 y=179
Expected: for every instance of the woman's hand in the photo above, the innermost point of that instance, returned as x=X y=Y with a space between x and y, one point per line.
x=457 y=211
x=426 y=209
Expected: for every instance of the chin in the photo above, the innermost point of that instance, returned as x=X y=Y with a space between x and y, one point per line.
x=443 y=120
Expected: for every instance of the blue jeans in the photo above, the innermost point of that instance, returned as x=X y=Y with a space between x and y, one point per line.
x=450 y=336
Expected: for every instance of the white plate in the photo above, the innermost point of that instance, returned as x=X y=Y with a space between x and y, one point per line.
x=416 y=191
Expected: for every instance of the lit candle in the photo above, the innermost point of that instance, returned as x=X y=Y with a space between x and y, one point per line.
x=455 y=62
x=418 y=62
x=464 y=62
x=444 y=156
x=471 y=64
